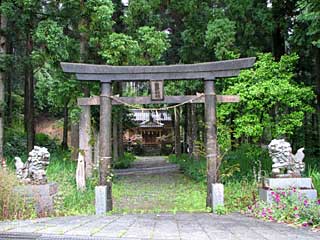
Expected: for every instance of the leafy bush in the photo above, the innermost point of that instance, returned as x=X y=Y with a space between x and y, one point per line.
x=44 y=140
x=124 y=161
x=252 y=159
x=315 y=175
x=16 y=142
x=289 y=207
x=12 y=205
x=195 y=169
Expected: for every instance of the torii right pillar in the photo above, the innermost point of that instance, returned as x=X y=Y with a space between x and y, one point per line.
x=211 y=143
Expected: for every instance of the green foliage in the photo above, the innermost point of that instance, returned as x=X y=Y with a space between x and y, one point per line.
x=71 y=201
x=310 y=14
x=220 y=37
x=239 y=195
x=272 y=103
x=152 y=44
x=290 y=207
x=50 y=35
x=122 y=49
x=16 y=142
x=314 y=173
x=124 y=161
x=44 y=140
x=254 y=162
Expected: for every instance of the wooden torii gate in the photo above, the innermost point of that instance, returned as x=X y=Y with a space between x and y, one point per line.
x=107 y=74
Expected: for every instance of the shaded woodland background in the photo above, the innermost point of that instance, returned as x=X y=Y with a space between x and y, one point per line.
x=280 y=96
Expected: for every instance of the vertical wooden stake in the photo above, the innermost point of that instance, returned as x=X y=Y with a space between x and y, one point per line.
x=211 y=143
x=177 y=131
x=84 y=138
x=105 y=141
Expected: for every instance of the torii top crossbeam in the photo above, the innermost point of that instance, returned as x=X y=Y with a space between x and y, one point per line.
x=107 y=73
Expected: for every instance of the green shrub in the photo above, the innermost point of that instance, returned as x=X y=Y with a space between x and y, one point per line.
x=44 y=140
x=252 y=160
x=195 y=169
x=15 y=142
x=13 y=205
x=124 y=161
x=315 y=175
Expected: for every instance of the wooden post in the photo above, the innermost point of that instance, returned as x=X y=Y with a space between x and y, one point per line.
x=84 y=139
x=105 y=141
x=211 y=143
x=177 y=131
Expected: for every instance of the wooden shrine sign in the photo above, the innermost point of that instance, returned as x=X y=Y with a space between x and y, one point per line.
x=107 y=74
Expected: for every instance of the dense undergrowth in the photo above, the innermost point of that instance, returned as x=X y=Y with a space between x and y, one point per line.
x=241 y=172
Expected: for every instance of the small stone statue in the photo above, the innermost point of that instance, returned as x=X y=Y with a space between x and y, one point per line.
x=280 y=152
x=34 y=170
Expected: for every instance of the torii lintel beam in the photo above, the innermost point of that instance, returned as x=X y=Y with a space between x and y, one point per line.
x=107 y=73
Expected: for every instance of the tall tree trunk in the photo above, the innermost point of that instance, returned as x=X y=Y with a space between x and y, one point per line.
x=317 y=70
x=115 y=137
x=120 y=127
x=29 y=95
x=74 y=141
x=189 y=130
x=9 y=88
x=3 y=49
x=194 y=131
x=177 y=142
x=83 y=56
x=185 y=129
x=278 y=42
x=64 y=143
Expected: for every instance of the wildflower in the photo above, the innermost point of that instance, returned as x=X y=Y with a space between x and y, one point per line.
x=283 y=194
x=305 y=202
x=277 y=198
x=305 y=224
x=269 y=210
x=271 y=218
x=272 y=193
x=294 y=189
x=295 y=208
x=318 y=202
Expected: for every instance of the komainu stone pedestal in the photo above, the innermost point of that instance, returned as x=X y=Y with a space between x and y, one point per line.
x=301 y=185
x=41 y=195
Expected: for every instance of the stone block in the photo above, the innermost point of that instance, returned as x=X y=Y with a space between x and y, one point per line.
x=287 y=183
x=45 y=190
x=101 y=199
x=266 y=194
x=41 y=195
x=217 y=195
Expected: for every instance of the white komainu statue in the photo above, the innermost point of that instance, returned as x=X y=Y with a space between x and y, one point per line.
x=280 y=152
x=34 y=170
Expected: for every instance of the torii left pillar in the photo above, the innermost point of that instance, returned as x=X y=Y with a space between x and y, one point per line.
x=105 y=142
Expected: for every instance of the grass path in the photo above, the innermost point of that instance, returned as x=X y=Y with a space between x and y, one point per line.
x=170 y=192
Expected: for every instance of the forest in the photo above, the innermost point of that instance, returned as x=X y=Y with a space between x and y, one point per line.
x=280 y=95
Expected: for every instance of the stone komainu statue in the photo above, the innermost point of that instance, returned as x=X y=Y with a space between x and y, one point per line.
x=34 y=170
x=280 y=152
